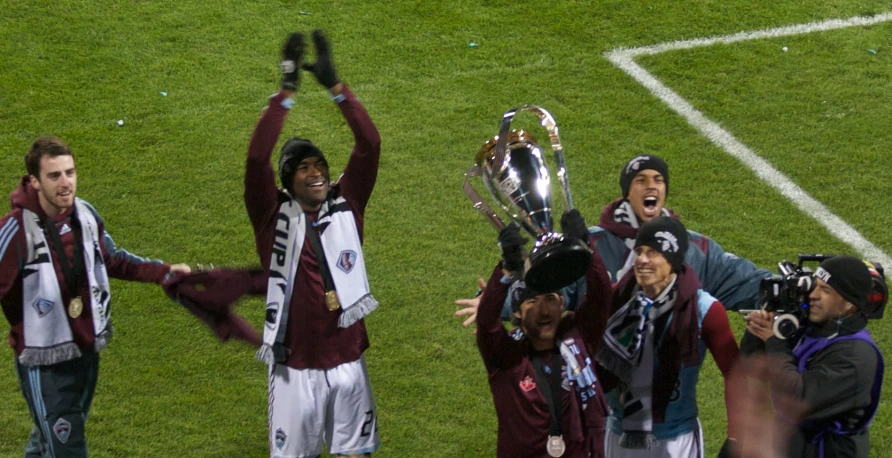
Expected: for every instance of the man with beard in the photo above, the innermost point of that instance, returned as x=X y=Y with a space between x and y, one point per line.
x=55 y=262
x=541 y=375
x=661 y=325
x=309 y=238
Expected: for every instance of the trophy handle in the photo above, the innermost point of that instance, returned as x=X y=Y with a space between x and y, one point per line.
x=547 y=121
x=477 y=200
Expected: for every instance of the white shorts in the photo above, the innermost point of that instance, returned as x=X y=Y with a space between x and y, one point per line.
x=309 y=406
x=688 y=445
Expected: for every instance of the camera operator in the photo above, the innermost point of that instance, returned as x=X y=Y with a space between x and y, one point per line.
x=832 y=365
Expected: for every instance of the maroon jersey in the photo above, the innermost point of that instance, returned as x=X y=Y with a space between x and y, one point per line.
x=13 y=250
x=522 y=411
x=312 y=336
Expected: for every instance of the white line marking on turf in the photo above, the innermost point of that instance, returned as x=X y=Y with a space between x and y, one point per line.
x=624 y=58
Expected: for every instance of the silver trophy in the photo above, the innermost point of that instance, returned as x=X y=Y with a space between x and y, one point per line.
x=513 y=170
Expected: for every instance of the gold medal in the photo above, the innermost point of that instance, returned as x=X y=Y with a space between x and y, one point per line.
x=331 y=300
x=75 y=307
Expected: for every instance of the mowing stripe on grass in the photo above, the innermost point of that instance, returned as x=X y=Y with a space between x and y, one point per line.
x=624 y=59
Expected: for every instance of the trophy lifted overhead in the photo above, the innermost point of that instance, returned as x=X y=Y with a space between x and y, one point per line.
x=513 y=170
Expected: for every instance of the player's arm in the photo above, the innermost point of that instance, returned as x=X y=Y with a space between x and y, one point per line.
x=496 y=346
x=12 y=252
x=592 y=316
x=119 y=253
x=361 y=171
x=123 y=268
x=261 y=194
x=733 y=280
x=492 y=338
x=719 y=339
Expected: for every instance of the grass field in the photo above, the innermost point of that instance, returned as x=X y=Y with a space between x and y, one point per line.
x=169 y=181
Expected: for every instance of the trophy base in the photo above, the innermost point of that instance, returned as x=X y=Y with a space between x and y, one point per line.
x=556 y=262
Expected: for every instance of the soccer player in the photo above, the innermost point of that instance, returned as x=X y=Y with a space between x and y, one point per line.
x=542 y=379
x=309 y=238
x=55 y=262
x=661 y=325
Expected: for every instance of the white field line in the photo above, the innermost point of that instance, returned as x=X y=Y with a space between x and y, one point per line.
x=624 y=58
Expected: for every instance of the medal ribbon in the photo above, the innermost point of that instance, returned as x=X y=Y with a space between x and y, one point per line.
x=551 y=389
x=320 y=255
x=72 y=269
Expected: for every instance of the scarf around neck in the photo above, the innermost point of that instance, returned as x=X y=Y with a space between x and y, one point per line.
x=343 y=256
x=678 y=343
x=48 y=336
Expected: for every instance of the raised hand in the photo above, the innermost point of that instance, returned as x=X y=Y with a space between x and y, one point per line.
x=573 y=225
x=292 y=55
x=323 y=69
x=512 y=244
x=470 y=305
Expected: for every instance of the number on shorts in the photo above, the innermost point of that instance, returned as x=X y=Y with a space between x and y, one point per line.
x=367 y=425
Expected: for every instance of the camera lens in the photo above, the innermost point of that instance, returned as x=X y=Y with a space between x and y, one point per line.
x=785 y=326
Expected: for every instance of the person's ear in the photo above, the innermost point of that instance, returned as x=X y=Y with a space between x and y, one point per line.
x=517 y=315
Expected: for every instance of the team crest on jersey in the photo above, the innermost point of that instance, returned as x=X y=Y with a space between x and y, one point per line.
x=42 y=306
x=347 y=260
x=527 y=384
x=62 y=429
x=272 y=312
x=280 y=438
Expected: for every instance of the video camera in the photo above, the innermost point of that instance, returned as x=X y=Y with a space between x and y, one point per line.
x=787 y=294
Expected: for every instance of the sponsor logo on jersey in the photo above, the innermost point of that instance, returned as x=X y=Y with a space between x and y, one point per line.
x=280 y=438
x=347 y=260
x=42 y=306
x=527 y=384
x=62 y=429
x=64 y=229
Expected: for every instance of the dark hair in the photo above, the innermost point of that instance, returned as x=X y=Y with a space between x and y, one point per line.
x=44 y=146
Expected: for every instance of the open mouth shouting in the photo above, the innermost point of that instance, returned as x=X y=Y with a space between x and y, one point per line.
x=650 y=206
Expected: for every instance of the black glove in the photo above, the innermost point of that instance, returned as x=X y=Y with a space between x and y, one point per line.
x=292 y=54
x=512 y=247
x=729 y=449
x=573 y=225
x=323 y=69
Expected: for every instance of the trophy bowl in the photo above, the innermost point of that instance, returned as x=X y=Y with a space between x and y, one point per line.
x=513 y=169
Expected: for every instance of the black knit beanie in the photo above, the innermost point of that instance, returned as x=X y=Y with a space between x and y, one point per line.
x=848 y=276
x=639 y=163
x=295 y=150
x=666 y=235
